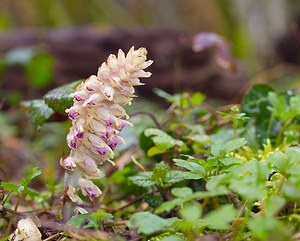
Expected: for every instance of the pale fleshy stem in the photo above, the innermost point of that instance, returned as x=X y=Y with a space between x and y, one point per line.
x=68 y=206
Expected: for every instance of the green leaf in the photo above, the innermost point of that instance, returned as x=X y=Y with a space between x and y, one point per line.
x=91 y=219
x=234 y=144
x=172 y=238
x=215 y=181
x=169 y=205
x=220 y=149
x=160 y=172
x=263 y=226
x=273 y=204
x=255 y=104
x=248 y=187
x=102 y=216
x=147 y=223
x=7 y=186
x=293 y=154
x=278 y=160
x=39 y=70
x=197 y=98
x=191 y=212
x=154 y=151
x=256 y=100
x=221 y=218
x=154 y=201
x=34 y=172
x=59 y=99
x=22 y=186
x=230 y=161
x=217 y=149
x=181 y=191
x=161 y=139
x=175 y=176
x=191 y=166
x=143 y=179
x=38 y=112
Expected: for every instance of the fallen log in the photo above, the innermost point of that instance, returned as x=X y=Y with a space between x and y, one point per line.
x=79 y=51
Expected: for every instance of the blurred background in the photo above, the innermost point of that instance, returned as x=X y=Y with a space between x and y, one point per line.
x=48 y=43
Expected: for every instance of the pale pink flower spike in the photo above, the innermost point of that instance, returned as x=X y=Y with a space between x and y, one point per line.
x=97 y=118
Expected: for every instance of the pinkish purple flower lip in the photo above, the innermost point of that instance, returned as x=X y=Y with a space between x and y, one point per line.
x=102 y=150
x=78 y=98
x=73 y=144
x=122 y=124
x=73 y=114
x=91 y=103
x=79 y=135
x=110 y=121
x=69 y=167
x=91 y=193
x=104 y=135
x=89 y=88
x=114 y=142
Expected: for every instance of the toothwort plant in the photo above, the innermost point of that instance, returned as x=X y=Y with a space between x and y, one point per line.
x=97 y=118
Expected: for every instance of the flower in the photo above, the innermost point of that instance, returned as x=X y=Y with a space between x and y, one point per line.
x=97 y=118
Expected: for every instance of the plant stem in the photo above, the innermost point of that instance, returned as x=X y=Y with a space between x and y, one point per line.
x=13 y=215
x=71 y=179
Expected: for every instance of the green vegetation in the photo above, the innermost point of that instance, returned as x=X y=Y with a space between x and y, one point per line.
x=230 y=172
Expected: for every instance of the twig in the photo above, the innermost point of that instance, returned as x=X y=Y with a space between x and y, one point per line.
x=152 y=116
x=129 y=204
x=52 y=237
x=49 y=213
x=137 y=163
x=113 y=224
x=72 y=231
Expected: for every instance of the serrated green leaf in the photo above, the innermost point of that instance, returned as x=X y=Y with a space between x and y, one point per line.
x=38 y=111
x=143 y=179
x=191 y=166
x=175 y=176
x=256 y=100
x=161 y=139
x=147 y=223
x=59 y=99
x=154 y=201
x=256 y=104
x=160 y=172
